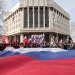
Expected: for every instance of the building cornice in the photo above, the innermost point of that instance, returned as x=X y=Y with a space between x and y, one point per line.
x=51 y=3
x=48 y=3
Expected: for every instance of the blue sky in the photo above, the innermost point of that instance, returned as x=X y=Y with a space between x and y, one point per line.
x=67 y=5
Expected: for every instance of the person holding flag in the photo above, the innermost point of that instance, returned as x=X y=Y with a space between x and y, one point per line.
x=4 y=39
x=42 y=39
x=52 y=39
x=25 y=41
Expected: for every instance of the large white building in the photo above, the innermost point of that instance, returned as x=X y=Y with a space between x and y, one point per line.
x=29 y=17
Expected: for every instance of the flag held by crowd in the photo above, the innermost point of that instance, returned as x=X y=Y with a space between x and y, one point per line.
x=36 y=39
x=4 y=39
x=37 y=61
x=25 y=41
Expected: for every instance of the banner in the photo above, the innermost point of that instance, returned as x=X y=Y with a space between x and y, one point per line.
x=37 y=39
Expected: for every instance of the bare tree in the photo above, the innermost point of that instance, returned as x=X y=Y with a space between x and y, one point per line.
x=2 y=9
x=2 y=12
x=1 y=30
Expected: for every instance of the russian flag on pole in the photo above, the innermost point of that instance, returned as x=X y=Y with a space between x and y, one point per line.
x=37 y=61
x=25 y=41
x=4 y=39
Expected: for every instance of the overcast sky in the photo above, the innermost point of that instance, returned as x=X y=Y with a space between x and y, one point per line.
x=67 y=5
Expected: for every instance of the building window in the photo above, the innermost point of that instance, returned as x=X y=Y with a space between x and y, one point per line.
x=21 y=9
x=30 y=17
x=55 y=10
x=35 y=17
x=19 y=14
x=59 y=13
x=41 y=17
x=46 y=17
x=51 y=8
x=54 y=25
x=25 y=18
x=53 y=15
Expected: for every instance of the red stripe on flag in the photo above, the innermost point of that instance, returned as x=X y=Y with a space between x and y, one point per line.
x=22 y=65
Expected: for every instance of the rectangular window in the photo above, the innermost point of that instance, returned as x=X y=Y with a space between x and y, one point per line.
x=35 y=17
x=46 y=17
x=51 y=8
x=41 y=17
x=25 y=18
x=30 y=17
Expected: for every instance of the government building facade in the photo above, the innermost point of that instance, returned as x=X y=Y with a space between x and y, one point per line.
x=29 y=17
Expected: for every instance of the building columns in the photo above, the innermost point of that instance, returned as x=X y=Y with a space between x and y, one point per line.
x=33 y=17
x=15 y=38
x=44 y=16
x=49 y=18
x=21 y=38
x=38 y=17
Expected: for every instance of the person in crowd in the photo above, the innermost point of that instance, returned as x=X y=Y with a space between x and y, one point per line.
x=0 y=47
x=16 y=45
x=25 y=41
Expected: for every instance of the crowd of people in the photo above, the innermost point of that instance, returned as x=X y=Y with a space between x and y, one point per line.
x=63 y=45
x=39 y=42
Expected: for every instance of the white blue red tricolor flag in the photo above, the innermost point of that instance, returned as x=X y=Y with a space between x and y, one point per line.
x=37 y=61
x=37 y=39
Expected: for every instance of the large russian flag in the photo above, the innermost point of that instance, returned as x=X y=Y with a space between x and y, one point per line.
x=37 y=61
